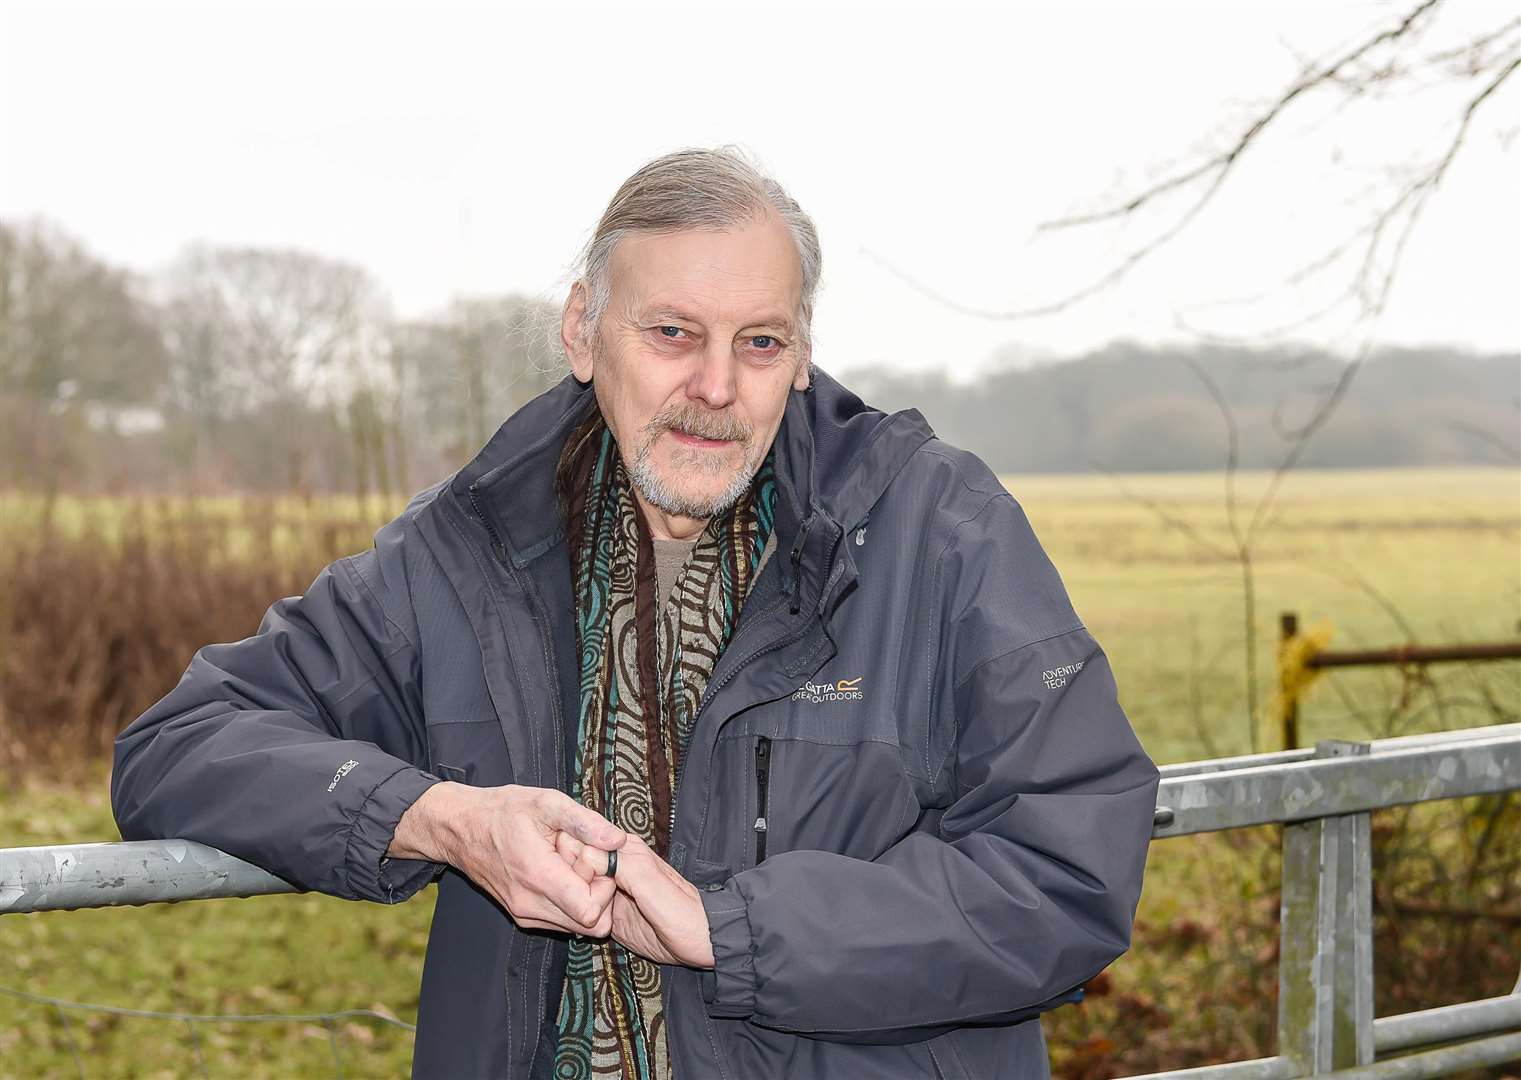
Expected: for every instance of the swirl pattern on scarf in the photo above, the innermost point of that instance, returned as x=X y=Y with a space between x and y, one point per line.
x=644 y=668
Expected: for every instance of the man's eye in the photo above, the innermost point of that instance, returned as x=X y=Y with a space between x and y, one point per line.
x=766 y=342
x=663 y=330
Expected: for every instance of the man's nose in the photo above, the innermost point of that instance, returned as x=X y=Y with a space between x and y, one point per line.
x=713 y=378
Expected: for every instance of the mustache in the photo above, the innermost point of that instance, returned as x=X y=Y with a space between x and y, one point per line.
x=700 y=422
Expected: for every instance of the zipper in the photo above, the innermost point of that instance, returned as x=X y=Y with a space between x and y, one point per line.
x=707 y=696
x=497 y=547
x=762 y=785
x=772 y=646
x=795 y=557
x=714 y=687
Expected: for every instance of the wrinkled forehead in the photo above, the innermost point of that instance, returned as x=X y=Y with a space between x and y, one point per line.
x=748 y=276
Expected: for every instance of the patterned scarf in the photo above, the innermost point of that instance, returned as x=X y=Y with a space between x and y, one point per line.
x=644 y=668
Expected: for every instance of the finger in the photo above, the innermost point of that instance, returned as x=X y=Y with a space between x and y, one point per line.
x=545 y=916
x=637 y=861
x=582 y=822
x=585 y=860
x=603 y=890
x=532 y=911
x=538 y=909
x=604 y=927
x=568 y=846
x=575 y=855
x=558 y=884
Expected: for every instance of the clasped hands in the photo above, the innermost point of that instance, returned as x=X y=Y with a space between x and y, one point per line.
x=543 y=856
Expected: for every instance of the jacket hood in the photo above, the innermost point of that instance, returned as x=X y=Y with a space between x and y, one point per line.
x=835 y=456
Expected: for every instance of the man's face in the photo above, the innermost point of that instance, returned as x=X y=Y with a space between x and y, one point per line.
x=693 y=361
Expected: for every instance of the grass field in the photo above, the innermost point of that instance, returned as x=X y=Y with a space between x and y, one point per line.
x=1379 y=555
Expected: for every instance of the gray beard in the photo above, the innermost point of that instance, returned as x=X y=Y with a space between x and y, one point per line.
x=655 y=491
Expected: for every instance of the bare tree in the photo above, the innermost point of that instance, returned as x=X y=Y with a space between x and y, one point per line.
x=473 y=364
x=272 y=331
x=1359 y=268
x=74 y=333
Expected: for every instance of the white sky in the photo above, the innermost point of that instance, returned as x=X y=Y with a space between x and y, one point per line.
x=471 y=149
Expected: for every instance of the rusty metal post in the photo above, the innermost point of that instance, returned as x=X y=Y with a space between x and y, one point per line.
x=1288 y=629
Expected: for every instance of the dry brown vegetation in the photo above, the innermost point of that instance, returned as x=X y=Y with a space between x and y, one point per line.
x=104 y=603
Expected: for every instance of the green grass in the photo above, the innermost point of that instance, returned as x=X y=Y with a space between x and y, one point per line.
x=1377 y=554
x=306 y=953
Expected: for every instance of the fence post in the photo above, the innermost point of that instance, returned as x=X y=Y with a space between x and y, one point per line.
x=1325 y=967
x=1288 y=719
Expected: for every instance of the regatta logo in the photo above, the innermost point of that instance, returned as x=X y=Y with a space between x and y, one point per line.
x=1055 y=678
x=839 y=690
x=343 y=770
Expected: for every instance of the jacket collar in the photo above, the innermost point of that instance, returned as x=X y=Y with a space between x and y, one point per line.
x=834 y=457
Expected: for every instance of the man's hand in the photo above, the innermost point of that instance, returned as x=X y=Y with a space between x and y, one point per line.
x=656 y=912
x=504 y=838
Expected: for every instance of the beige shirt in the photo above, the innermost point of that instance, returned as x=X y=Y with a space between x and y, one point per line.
x=671 y=556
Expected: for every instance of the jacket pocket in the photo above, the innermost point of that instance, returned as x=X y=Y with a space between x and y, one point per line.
x=850 y=798
x=469 y=752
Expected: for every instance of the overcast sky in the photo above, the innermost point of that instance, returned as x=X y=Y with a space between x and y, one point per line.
x=454 y=149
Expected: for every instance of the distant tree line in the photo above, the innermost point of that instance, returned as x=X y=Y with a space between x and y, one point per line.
x=245 y=369
x=276 y=370
x=1129 y=407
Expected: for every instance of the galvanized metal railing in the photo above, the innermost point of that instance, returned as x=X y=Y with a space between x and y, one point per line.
x=1322 y=797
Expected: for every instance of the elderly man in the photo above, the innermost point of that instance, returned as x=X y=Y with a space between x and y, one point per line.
x=748 y=730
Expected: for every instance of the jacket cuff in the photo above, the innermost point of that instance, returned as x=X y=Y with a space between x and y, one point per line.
x=371 y=874
x=729 y=988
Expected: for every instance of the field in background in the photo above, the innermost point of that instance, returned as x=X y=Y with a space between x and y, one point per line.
x=1381 y=555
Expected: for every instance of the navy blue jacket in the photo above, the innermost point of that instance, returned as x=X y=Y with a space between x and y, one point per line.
x=956 y=810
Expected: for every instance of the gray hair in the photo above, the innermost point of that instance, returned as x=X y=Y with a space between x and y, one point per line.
x=696 y=188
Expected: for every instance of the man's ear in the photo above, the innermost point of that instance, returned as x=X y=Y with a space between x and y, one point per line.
x=804 y=374
x=572 y=318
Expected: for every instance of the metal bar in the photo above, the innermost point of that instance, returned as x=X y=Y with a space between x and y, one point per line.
x=1357 y=994
x=1433 y=738
x=1346 y=931
x=1376 y=747
x=1448 y=1022
x=1324 y=787
x=68 y=876
x=1415 y=654
x=1441 y=1062
x=1301 y=1026
x=1307 y=753
x=1273 y=1068
x=1244 y=761
x=1325 y=966
x=1395 y=772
